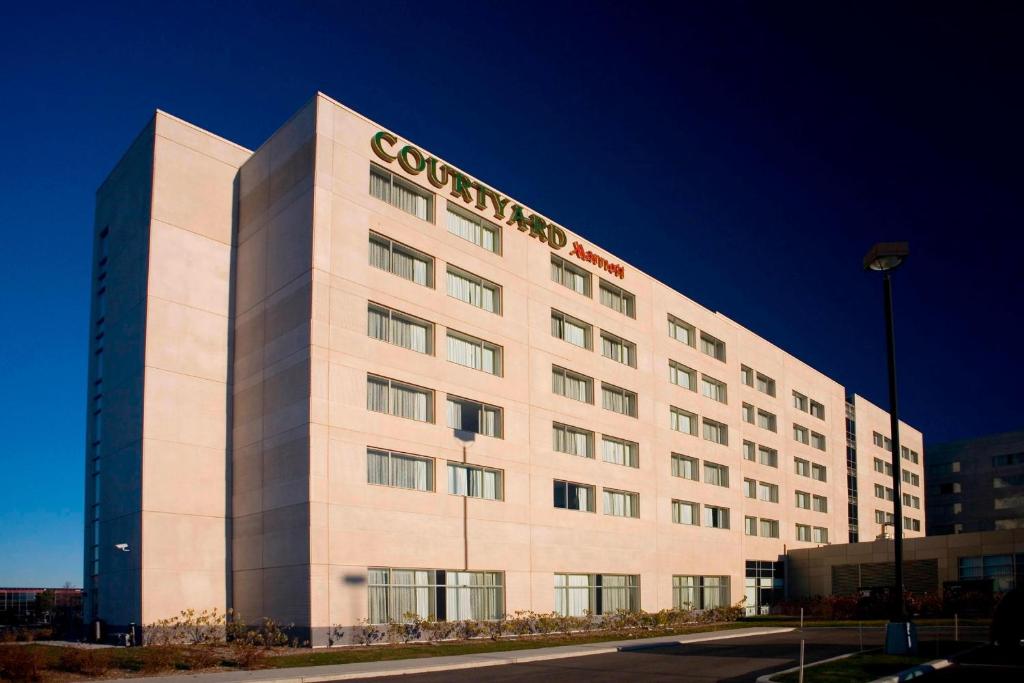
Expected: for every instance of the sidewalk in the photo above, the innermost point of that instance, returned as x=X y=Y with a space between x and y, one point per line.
x=341 y=672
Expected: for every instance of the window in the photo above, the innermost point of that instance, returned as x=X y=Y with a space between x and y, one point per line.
x=911 y=478
x=819 y=534
x=400 y=260
x=617 y=299
x=912 y=501
x=401 y=470
x=700 y=592
x=572 y=440
x=799 y=401
x=397 y=398
x=682 y=376
x=401 y=194
x=474 y=481
x=948 y=488
x=570 y=329
x=621 y=503
x=766 y=420
x=750 y=526
x=399 y=328
x=685 y=512
x=749 y=451
x=818 y=441
x=716 y=517
x=713 y=389
x=438 y=594
x=876 y=439
x=819 y=472
x=749 y=488
x=682 y=421
x=572 y=496
x=746 y=376
x=803 y=467
x=768 y=456
x=770 y=528
x=801 y=434
x=619 y=451
x=474 y=290
x=765 y=384
x=883 y=467
x=579 y=594
x=803 y=532
x=680 y=331
x=883 y=492
x=803 y=500
x=999 y=568
x=712 y=346
x=747 y=413
x=908 y=454
x=572 y=385
x=475 y=353
x=474 y=229
x=882 y=517
x=768 y=493
x=618 y=349
x=715 y=474
x=716 y=432
x=618 y=400
x=472 y=416
x=817 y=410
x=684 y=466
x=819 y=503
x=568 y=275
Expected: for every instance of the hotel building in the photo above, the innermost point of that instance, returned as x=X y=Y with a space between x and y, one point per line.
x=339 y=378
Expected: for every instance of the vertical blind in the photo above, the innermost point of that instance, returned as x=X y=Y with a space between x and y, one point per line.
x=399 y=260
x=385 y=396
x=621 y=504
x=571 y=386
x=474 y=353
x=569 y=330
x=566 y=275
x=398 y=193
x=391 y=326
x=572 y=441
x=475 y=482
x=400 y=470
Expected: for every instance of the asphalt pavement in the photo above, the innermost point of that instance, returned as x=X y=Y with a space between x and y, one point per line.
x=728 y=661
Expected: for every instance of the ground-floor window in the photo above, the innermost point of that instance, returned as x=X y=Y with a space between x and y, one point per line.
x=700 y=592
x=437 y=594
x=578 y=594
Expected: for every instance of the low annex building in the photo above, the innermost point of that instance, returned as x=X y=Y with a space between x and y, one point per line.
x=339 y=378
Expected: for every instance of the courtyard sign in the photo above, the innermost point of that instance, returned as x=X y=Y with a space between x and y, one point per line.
x=414 y=162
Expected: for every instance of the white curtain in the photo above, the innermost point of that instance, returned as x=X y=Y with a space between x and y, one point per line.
x=711 y=589
x=683 y=513
x=490 y=421
x=464 y=352
x=410 y=473
x=575 y=334
x=571 y=441
x=409 y=402
x=582 y=497
x=463 y=227
x=461 y=288
x=618 y=504
x=617 y=593
x=682 y=422
x=378 y=589
x=411 y=591
x=409 y=334
x=377 y=467
x=380 y=254
x=380 y=185
x=377 y=394
x=684 y=592
x=454 y=414
x=411 y=201
x=572 y=594
x=458 y=480
x=491 y=360
x=377 y=323
x=615 y=452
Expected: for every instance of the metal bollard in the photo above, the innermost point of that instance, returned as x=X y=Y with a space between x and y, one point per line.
x=801 y=661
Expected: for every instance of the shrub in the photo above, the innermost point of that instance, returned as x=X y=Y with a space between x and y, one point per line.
x=245 y=654
x=407 y=630
x=188 y=628
x=336 y=635
x=20 y=663
x=201 y=657
x=157 y=659
x=80 y=661
x=366 y=633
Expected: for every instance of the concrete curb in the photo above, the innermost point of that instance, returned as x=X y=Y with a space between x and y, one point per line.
x=400 y=667
x=915 y=671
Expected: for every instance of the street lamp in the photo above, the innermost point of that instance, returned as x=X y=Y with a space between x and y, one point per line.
x=900 y=633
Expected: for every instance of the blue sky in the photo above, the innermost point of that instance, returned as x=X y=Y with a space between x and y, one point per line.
x=747 y=154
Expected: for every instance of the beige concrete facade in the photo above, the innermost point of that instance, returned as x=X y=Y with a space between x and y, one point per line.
x=872 y=424
x=247 y=485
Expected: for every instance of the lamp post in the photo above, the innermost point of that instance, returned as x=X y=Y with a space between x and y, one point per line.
x=900 y=633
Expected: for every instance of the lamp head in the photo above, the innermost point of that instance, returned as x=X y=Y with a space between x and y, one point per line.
x=886 y=256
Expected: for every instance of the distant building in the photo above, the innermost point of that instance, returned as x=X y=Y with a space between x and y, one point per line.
x=28 y=606
x=976 y=485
